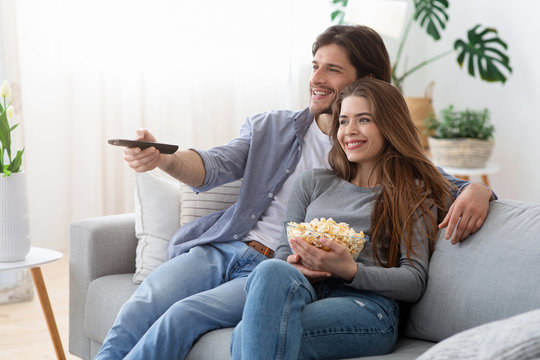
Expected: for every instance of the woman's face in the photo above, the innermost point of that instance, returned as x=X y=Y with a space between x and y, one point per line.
x=357 y=134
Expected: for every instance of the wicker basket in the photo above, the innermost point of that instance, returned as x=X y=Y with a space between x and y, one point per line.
x=461 y=153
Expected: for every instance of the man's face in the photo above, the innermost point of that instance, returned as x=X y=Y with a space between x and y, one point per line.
x=332 y=72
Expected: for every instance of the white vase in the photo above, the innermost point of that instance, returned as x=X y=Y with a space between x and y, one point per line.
x=14 y=224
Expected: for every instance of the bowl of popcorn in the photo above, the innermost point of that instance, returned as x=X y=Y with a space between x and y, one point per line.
x=313 y=231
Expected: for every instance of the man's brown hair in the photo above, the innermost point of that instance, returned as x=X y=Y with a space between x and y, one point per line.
x=366 y=49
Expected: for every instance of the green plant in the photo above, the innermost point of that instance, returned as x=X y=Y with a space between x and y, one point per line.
x=483 y=51
x=6 y=113
x=455 y=124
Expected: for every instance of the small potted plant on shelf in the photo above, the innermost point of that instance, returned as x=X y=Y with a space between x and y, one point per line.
x=460 y=138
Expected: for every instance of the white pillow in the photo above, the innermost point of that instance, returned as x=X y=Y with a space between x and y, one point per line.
x=514 y=338
x=162 y=205
x=157 y=217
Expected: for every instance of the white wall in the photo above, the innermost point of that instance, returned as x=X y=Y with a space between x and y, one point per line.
x=514 y=106
x=189 y=71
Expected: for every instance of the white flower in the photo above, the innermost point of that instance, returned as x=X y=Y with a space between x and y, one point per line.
x=10 y=111
x=5 y=90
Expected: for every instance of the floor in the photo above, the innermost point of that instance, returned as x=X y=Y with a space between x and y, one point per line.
x=23 y=331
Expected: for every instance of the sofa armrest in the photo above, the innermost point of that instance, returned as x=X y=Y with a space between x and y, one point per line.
x=98 y=246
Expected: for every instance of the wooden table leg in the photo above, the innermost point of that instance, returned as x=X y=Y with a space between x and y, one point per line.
x=39 y=283
x=485 y=179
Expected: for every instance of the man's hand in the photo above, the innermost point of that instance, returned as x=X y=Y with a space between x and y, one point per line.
x=467 y=213
x=142 y=160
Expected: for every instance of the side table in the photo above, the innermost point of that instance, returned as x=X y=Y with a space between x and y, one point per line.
x=33 y=261
x=466 y=173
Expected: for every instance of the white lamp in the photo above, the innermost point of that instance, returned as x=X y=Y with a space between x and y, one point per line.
x=384 y=16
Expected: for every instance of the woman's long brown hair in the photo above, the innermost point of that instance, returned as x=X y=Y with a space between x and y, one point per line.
x=409 y=183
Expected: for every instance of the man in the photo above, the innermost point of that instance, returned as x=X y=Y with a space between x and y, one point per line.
x=201 y=287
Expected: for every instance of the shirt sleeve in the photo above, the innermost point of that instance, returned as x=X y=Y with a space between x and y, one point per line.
x=226 y=163
x=407 y=282
x=460 y=184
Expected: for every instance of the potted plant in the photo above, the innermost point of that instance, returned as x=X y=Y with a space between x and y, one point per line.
x=14 y=224
x=460 y=138
x=483 y=52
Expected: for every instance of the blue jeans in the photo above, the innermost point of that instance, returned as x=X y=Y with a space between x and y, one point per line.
x=182 y=299
x=285 y=317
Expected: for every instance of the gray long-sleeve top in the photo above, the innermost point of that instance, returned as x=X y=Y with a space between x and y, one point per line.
x=319 y=193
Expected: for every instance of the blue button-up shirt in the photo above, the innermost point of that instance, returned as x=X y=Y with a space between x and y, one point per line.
x=264 y=156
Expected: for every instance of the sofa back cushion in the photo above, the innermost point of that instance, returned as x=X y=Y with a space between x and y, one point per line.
x=162 y=205
x=494 y=274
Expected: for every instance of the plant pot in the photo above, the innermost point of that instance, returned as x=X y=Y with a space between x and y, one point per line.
x=14 y=224
x=461 y=153
x=421 y=108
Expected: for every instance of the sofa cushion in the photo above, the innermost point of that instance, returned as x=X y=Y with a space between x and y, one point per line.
x=490 y=276
x=215 y=345
x=162 y=205
x=157 y=217
x=515 y=338
x=194 y=205
x=105 y=297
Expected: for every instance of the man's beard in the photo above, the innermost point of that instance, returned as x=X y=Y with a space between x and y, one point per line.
x=323 y=111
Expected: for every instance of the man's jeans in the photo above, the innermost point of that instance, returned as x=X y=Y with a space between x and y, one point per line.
x=182 y=299
x=285 y=317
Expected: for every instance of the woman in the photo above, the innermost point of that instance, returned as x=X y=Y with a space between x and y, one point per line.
x=325 y=304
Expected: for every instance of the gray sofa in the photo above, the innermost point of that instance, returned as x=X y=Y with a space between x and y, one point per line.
x=491 y=276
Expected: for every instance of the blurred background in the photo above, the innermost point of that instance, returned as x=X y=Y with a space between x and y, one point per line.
x=192 y=71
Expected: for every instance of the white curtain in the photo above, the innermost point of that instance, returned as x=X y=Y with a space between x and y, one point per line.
x=189 y=71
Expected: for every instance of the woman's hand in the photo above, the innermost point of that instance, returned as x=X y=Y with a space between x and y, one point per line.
x=312 y=275
x=337 y=262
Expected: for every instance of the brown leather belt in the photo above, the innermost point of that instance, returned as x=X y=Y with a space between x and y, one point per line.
x=266 y=251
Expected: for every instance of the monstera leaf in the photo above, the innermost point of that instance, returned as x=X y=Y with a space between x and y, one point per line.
x=482 y=49
x=339 y=14
x=432 y=15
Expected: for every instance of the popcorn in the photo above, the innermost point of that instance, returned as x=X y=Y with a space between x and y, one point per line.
x=316 y=229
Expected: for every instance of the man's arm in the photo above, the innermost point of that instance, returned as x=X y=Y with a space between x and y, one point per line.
x=468 y=212
x=185 y=165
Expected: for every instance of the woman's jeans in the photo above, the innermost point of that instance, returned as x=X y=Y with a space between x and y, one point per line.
x=285 y=317
x=182 y=299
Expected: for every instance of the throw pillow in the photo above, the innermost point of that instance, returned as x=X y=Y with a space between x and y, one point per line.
x=195 y=205
x=515 y=338
x=157 y=217
x=162 y=205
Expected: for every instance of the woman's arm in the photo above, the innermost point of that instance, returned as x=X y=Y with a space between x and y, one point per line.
x=299 y=200
x=407 y=282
